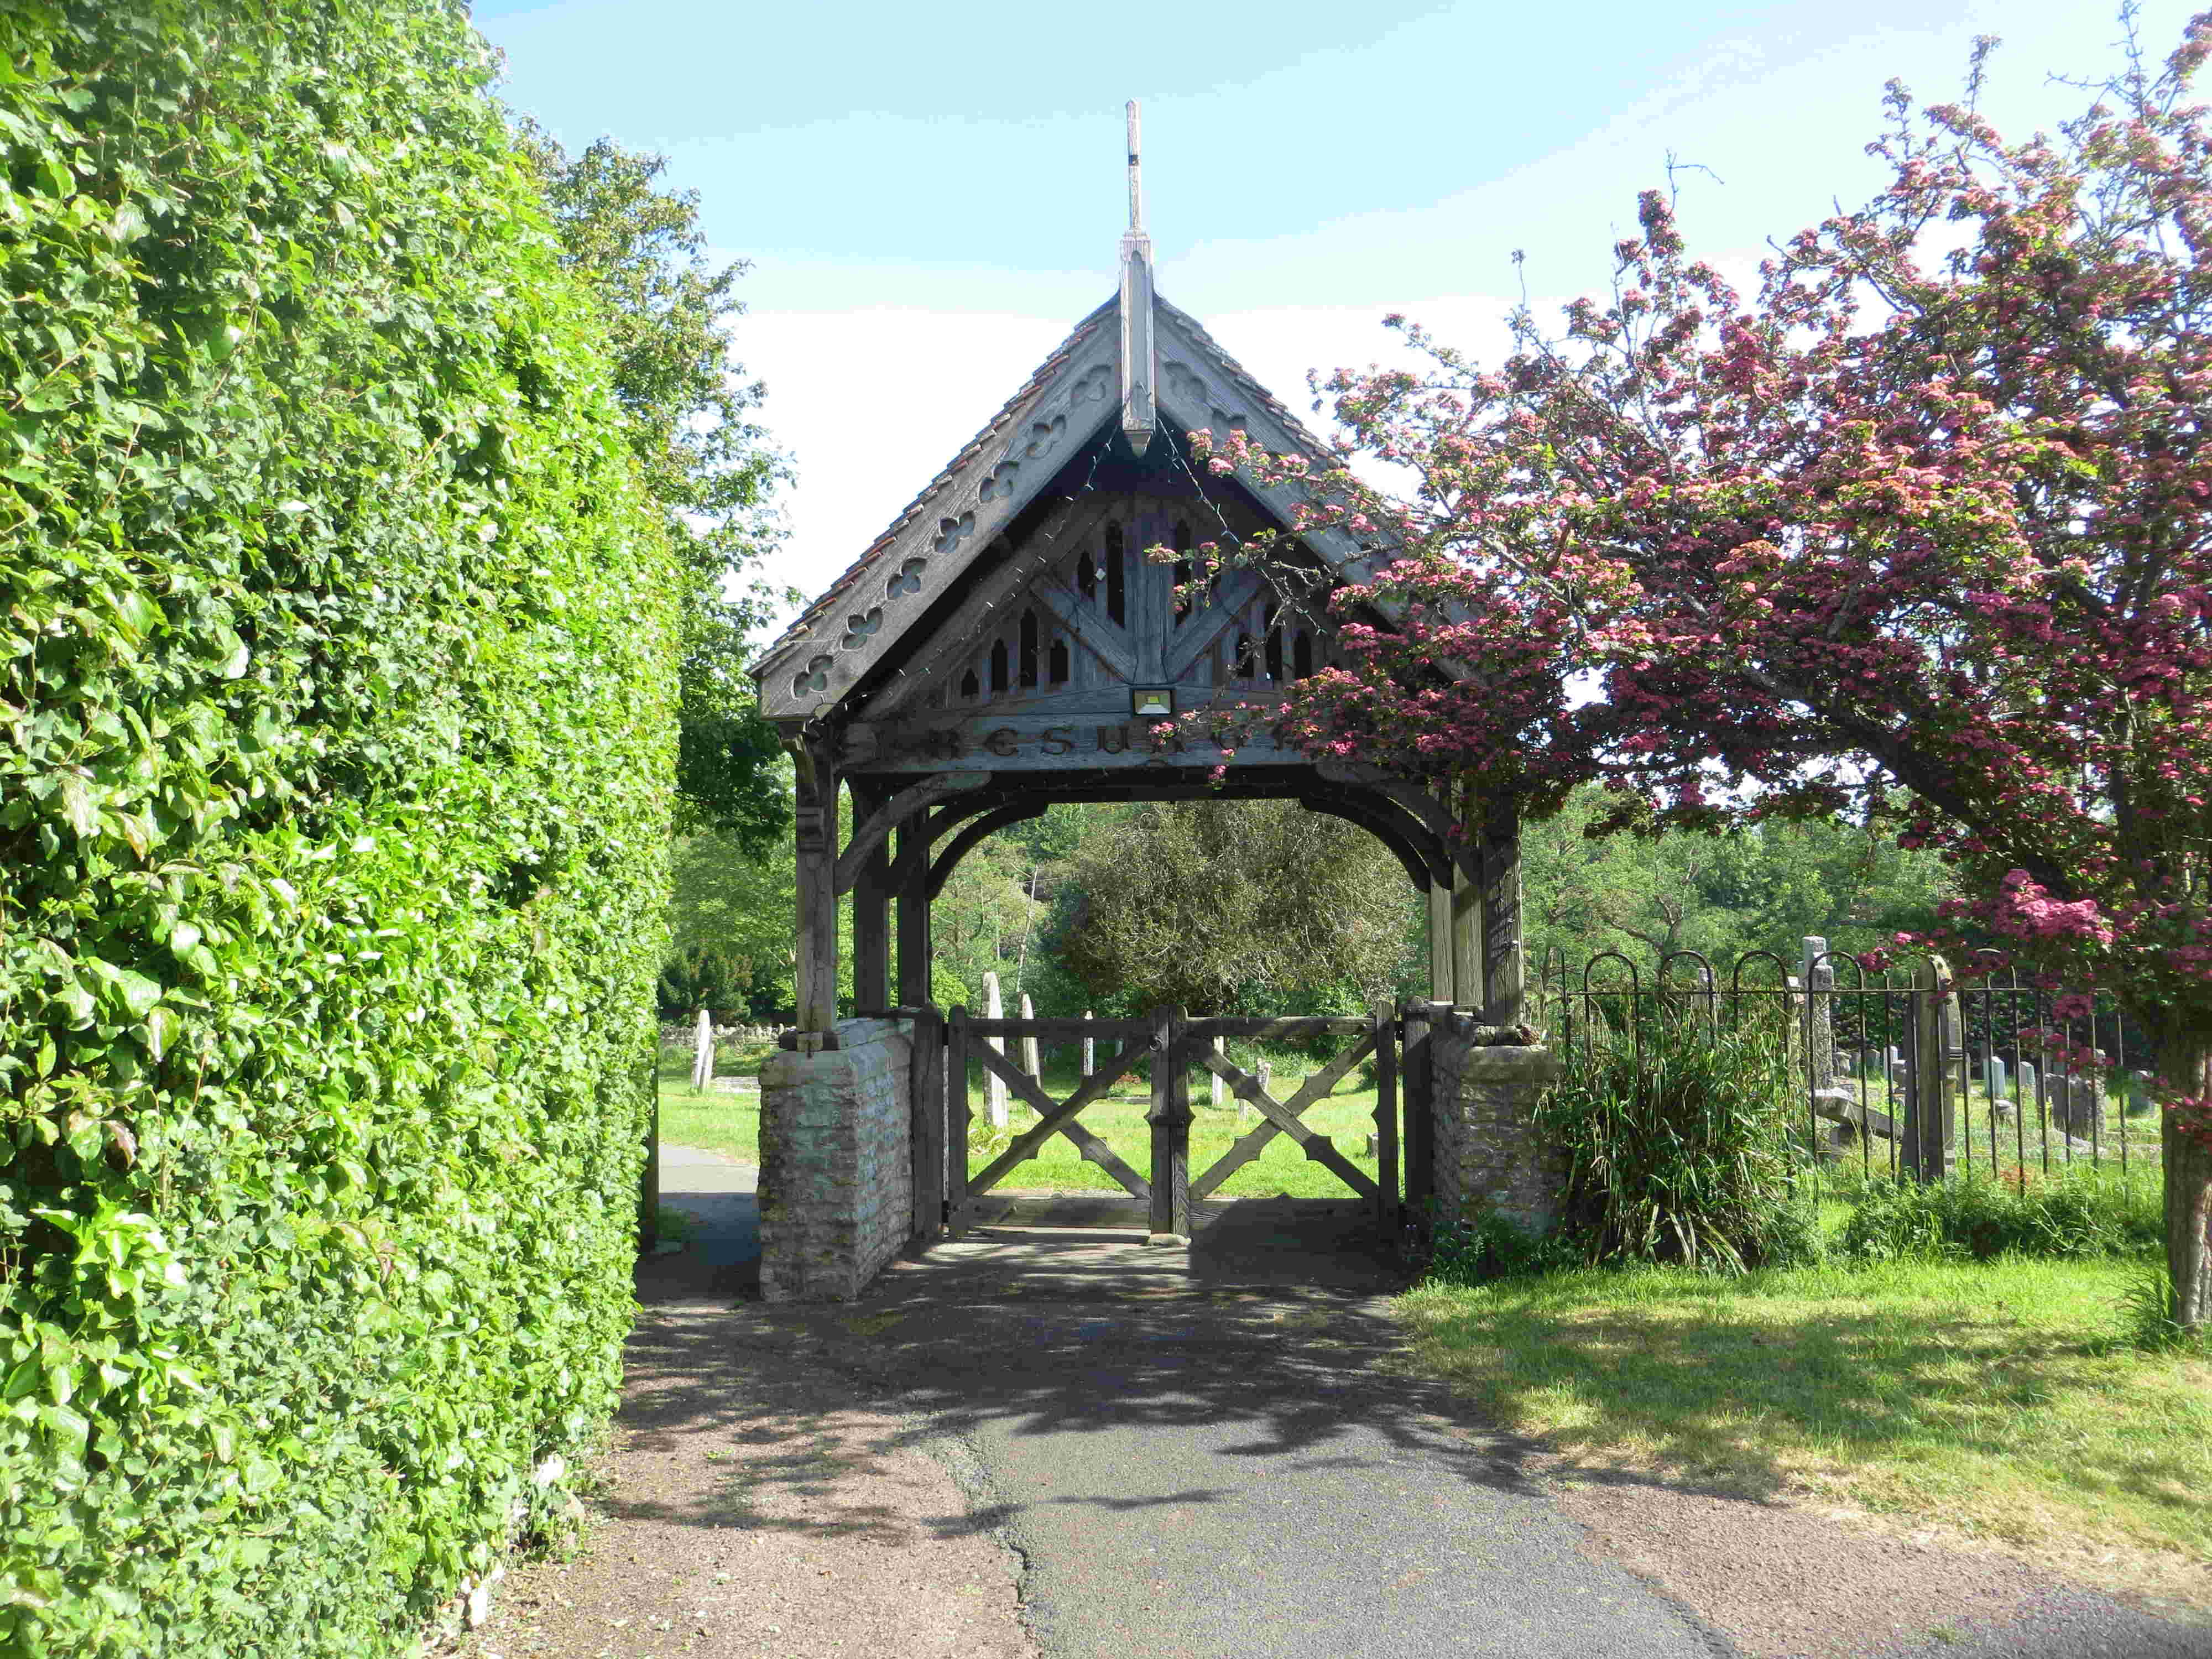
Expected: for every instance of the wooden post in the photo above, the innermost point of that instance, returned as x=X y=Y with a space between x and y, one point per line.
x=957 y=1115
x=1502 y=970
x=1418 y=1078
x=1466 y=941
x=914 y=934
x=927 y=1087
x=1386 y=1121
x=1170 y=1121
x=994 y=1086
x=814 y=826
x=1440 y=943
x=871 y=921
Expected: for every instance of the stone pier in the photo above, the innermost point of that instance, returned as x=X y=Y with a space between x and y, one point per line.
x=1490 y=1159
x=837 y=1177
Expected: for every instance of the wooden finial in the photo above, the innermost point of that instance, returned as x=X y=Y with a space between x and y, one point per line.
x=1139 y=414
x=1136 y=177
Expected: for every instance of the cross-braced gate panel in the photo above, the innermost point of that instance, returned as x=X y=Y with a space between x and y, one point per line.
x=1175 y=1046
x=1376 y=1036
x=971 y=1039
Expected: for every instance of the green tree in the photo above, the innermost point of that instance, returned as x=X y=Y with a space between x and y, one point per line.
x=726 y=899
x=1762 y=888
x=1234 y=906
x=687 y=411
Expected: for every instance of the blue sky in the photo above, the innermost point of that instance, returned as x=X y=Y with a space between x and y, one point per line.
x=931 y=195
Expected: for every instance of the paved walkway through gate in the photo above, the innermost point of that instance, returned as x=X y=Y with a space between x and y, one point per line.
x=1043 y=1442
x=1206 y=1452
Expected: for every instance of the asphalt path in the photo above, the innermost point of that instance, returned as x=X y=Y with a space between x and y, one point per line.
x=1204 y=1453
x=720 y=1258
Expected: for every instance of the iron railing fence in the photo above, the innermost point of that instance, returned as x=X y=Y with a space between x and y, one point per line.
x=1982 y=1073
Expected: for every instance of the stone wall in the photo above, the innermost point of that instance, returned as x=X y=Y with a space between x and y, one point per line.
x=837 y=1172
x=1489 y=1158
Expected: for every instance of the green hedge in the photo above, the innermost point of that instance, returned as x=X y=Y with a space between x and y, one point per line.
x=337 y=690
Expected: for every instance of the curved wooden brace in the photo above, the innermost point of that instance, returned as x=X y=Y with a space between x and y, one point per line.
x=868 y=836
x=1434 y=814
x=913 y=864
x=1420 y=870
x=941 y=870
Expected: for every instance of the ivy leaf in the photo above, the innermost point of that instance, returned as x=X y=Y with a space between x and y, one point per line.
x=160 y=1030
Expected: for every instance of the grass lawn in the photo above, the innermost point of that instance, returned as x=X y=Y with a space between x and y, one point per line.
x=1991 y=1400
x=715 y=1123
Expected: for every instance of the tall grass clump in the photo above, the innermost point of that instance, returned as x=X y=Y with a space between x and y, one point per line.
x=1678 y=1137
x=2078 y=1212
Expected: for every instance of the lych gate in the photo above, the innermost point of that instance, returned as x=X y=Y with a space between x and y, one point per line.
x=1007 y=644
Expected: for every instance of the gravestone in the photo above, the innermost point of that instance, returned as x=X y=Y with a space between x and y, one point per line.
x=2025 y=1091
x=1819 y=1033
x=994 y=1086
x=1997 y=1079
x=1030 y=1043
x=1221 y=1047
x=1264 y=1073
x=2078 y=1104
x=702 y=1054
x=1090 y=1050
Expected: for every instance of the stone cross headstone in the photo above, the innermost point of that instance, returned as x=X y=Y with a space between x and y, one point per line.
x=994 y=1086
x=702 y=1054
x=1090 y=1050
x=1030 y=1043
x=1221 y=1047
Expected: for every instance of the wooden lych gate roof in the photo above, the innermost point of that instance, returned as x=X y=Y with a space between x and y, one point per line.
x=1006 y=644
x=1041 y=522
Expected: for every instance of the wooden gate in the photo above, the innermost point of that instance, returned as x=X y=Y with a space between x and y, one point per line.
x=1176 y=1046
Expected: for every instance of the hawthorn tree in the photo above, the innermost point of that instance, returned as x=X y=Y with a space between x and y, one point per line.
x=1919 y=529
